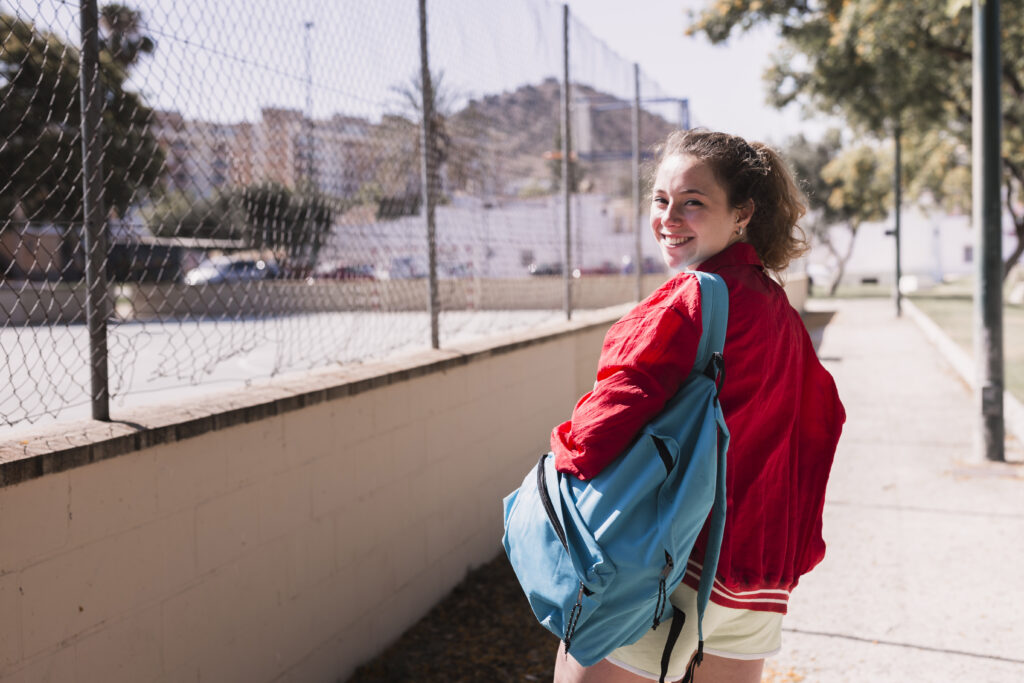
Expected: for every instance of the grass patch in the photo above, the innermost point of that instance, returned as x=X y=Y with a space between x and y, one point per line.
x=951 y=307
x=868 y=291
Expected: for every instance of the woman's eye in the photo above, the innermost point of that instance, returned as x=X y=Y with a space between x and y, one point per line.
x=693 y=202
x=660 y=200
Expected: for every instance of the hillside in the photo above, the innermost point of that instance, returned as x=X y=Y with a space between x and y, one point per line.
x=507 y=136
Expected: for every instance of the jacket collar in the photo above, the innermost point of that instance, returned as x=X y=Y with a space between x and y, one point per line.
x=739 y=254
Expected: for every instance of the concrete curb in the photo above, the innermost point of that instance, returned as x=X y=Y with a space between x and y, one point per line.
x=963 y=364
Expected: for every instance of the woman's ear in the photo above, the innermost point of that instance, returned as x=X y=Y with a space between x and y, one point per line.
x=743 y=214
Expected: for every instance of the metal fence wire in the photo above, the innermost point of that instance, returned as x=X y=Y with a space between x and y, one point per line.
x=240 y=192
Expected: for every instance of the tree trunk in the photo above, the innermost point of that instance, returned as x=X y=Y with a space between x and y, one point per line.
x=1018 y=251
x=842 y=259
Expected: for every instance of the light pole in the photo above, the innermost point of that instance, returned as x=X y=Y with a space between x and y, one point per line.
x=987 y=219
x=308 y=28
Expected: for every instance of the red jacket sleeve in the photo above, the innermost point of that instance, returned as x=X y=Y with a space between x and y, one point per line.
x=645 y=357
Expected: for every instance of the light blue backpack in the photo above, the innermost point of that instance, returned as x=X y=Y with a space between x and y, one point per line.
x=598 y=559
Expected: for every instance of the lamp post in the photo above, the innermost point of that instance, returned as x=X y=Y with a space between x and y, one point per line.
x=987 y=219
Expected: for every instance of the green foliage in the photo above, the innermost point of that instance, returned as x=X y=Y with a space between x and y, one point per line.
x=262 y=216
x=861 y=184
x=442 y=100
x=850 y=186
x=281 y=220
x=124 y=38
x=220 y=217
x=938 y=166
x=885 y=66
x=807 y=158
x=41 y=154
x=576 y=171
x=875 y=63
x=843 y=187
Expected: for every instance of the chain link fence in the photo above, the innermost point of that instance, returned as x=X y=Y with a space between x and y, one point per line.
x=249 y=197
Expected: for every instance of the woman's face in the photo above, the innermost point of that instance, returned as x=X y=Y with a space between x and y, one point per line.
x=690 y=213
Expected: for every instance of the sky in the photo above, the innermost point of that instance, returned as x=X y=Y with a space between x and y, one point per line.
x=226 y=63
x=723 y=83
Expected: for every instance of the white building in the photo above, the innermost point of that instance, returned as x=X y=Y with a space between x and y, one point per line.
x=494 y=239
x=933 y=246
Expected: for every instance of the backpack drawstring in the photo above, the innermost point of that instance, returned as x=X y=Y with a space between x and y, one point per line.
x=574 y=616
x=695 y=661
x=662 y=590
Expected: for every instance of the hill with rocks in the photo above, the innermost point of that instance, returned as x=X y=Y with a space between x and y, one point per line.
x=510 y=142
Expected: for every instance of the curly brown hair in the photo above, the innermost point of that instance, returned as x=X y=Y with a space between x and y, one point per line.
x=750 y=172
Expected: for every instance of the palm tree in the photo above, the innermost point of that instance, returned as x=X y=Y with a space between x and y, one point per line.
x=125 y=36
x=411 y=95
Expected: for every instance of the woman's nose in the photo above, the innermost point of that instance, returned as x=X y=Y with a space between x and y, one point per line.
x=671 y=214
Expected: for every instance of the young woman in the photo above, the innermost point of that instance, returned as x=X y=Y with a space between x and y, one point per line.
x=721 y=205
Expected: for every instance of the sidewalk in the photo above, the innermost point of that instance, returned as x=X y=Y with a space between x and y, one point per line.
x=923 y=576
x=922 y=579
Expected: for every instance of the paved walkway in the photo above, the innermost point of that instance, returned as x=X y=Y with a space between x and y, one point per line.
x=924 y=576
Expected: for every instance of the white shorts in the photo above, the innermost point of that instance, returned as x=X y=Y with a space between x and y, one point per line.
x=728 y=632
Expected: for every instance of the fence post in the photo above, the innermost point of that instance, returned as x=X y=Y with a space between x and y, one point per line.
x=638 y=259
x=429 y=176
x=566 y=166
x=96 y=296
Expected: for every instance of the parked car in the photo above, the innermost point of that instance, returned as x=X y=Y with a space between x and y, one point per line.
x=651 y=266
x=232 y=269
x=545 y=268
x=606 y=268
x=406 y=268
x=338 y=271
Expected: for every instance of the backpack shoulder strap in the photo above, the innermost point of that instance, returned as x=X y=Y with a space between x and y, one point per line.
x=714 y=307
x=714 y=318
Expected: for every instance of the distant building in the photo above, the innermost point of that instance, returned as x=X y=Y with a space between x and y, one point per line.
x=933 y=247
x=507 y=239
x=338 y=155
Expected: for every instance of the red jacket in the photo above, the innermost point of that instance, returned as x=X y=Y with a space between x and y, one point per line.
x=781 y=406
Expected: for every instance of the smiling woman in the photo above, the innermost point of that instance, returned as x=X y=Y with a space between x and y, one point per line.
x=725 y=206
x=690 y=213
x=746 y=193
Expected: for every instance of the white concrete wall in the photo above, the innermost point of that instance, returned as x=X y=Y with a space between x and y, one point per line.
x=290 y=545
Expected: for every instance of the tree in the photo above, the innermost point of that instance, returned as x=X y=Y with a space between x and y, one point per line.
x=576 y=171
x=122 y=32
x=41 y=149
x=260 y=216
x=295 y=223
x=478 y=152
x=860 y=179
x=887 y=67
x=178 y=214
x=393 y=181
x=442 y=102
x=844 y=188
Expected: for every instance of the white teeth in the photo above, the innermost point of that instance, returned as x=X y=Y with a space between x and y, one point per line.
x=673 y=241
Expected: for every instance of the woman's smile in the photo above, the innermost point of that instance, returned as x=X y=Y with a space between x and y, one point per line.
x=690 y=213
